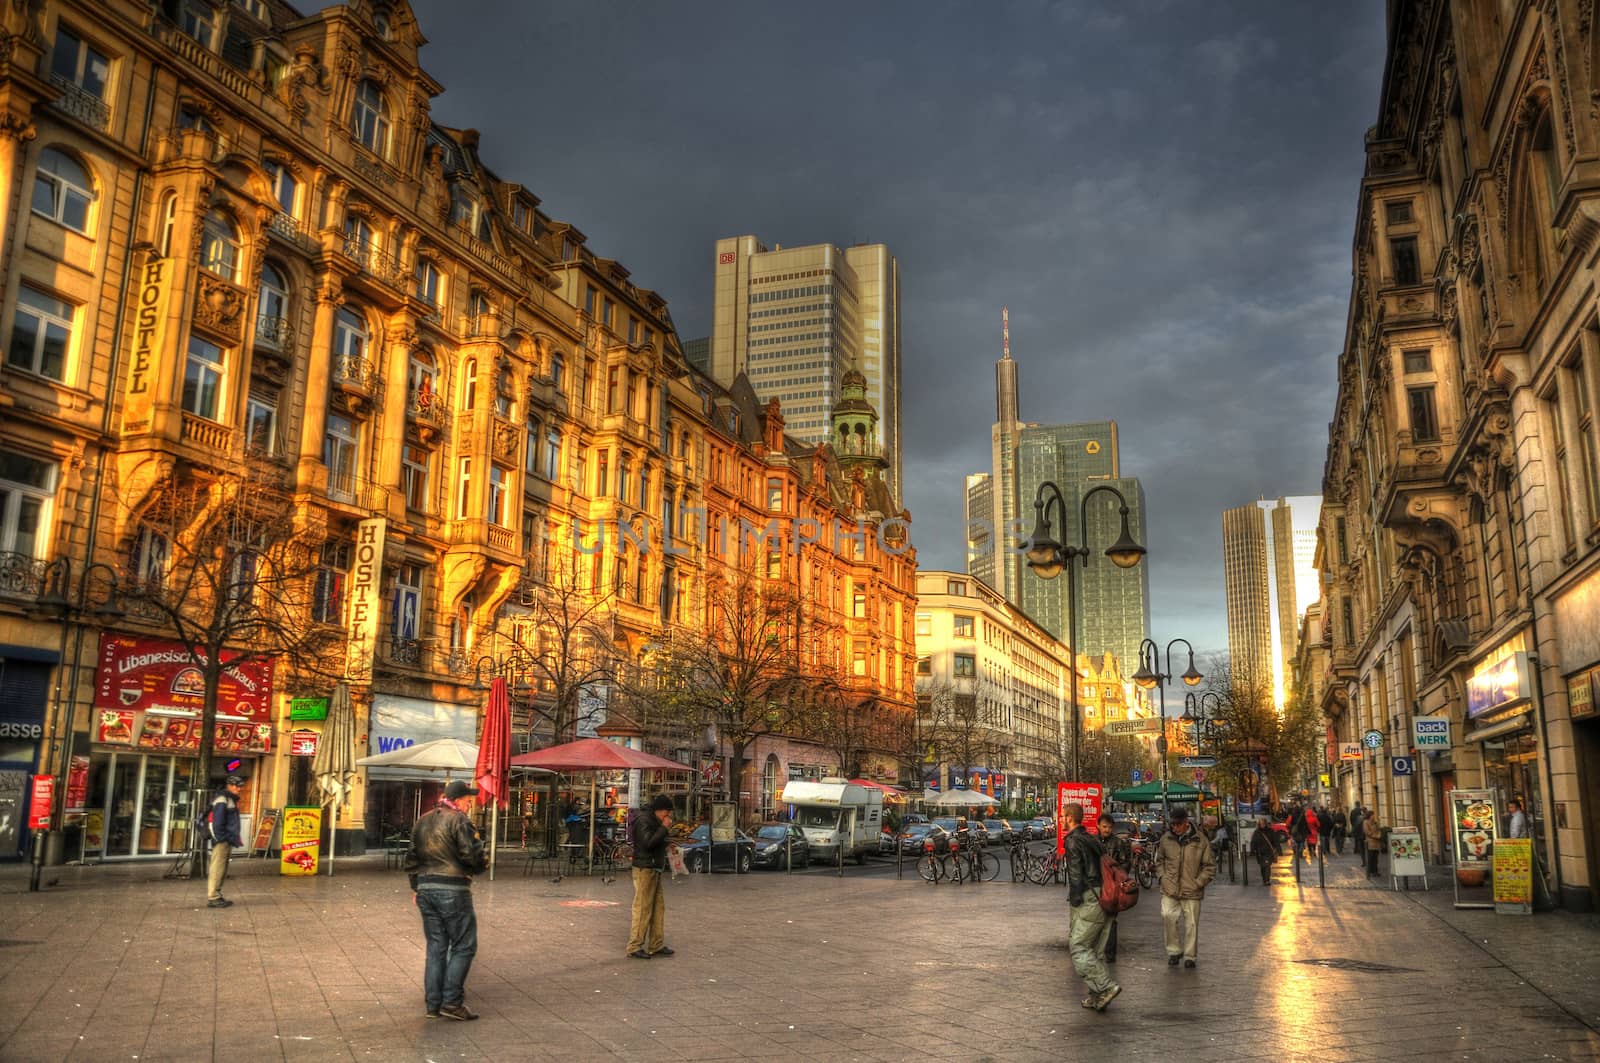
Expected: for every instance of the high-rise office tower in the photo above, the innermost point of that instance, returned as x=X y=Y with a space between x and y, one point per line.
x=795 y=320
x=991 y=498
x=1113 y=603
x=1267 y=553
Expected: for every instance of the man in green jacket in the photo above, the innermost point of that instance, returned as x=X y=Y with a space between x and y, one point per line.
x=1185 y=864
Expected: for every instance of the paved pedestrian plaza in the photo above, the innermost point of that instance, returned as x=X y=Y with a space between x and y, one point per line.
x=116 y=963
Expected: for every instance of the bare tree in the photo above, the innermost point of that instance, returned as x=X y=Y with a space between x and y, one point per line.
x=1113 y=758
x=953 y=727
x=841 y=719
x=560 y=633
x=742 y=676
x=1254 y=728
x=224 y=566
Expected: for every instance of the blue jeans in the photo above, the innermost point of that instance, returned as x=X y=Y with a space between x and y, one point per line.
x=451 y=929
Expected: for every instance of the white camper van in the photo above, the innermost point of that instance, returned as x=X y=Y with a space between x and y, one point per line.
x=836 y=815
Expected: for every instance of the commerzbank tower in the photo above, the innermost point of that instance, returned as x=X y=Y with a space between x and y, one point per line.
x=1113 y=603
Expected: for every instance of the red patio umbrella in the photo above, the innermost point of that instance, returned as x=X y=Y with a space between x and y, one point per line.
x=593 y=755
x=494 y=760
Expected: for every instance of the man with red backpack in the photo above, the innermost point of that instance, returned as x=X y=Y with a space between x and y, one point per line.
x=1118 y=848
x=1090 y=924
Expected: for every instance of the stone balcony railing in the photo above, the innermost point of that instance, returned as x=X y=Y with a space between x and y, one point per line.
x=274 y=332
x=78 y=103
x=204 y=433
x=355 y=375
x=374 y=262
x=21 y=575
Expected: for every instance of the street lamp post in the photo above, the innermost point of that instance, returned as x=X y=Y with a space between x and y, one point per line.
x=1047 y=556
x=1196 y=715
x=59 y=594
x=1150 y=674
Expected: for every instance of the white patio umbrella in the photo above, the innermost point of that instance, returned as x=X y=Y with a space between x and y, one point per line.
x=441 y=754
x=961 y=799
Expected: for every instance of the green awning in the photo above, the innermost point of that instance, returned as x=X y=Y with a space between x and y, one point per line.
x=1150 y=793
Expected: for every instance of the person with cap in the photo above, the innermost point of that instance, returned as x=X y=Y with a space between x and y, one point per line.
x=1185 y=864
x=648 y=831
x=445 y=853
x=224 y=825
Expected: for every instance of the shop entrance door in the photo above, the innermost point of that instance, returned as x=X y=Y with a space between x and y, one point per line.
x=140 y=811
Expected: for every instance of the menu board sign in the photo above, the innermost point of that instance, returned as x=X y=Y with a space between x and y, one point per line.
x=1405 y=853
x=301 y=840
x=1472 y=818
x=1513 y=876
x=149 y=694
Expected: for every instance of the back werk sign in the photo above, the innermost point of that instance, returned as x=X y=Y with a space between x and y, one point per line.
x=149 y=694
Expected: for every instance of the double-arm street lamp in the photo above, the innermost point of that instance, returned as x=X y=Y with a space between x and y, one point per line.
x=1047 y=556
x=1151 y=674
x=1203 y=717
x=97 y=596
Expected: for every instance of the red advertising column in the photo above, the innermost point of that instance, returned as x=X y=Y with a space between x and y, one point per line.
x=44 y=792
x=1086 y=794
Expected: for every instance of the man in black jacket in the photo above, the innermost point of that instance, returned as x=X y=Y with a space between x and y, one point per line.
x=1122 y=852
x=1090 y=924
x=445 y=853
x=224 y=824
x=648 y=832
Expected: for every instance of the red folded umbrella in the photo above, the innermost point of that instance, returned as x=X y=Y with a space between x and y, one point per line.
x=594 y=754
x=494 y=748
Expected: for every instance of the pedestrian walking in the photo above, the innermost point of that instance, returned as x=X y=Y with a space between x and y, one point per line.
x=224 y=827
x=1516 y=819
x=1263 y=850
x=1324 y=831
x=1358 y=836
x=445 y=853
x=1121 y=851
x=648 y=831
x=1185 y=864
x=1341 y=827
x=1299 y=822
x=1374 y=836
x=1090 y=924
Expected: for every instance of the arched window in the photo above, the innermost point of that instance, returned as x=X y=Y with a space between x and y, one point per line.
x=62 y=190
x=469 y=384
x=219 y=246
x=369 y=119
x=169 y=218
x=422 y=381
x=427 y=282
x=272 y=318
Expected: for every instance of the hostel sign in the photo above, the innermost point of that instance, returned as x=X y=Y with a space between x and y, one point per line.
x=152 y=289
x=364 y=607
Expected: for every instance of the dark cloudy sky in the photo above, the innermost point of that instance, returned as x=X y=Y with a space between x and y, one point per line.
x=1163 y=191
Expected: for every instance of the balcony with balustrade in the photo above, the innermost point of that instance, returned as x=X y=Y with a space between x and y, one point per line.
x=427 y=417
x=77 y=102
x=358 y=379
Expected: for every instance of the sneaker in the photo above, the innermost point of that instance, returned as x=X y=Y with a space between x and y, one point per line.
x=1189 y=964
x=1107 y=997
x=1089 y=1000
x=220 y=902
x=459 y=1012
x=432 y=1013
x=665 y=950
x=639 y=954
x=1172 y=961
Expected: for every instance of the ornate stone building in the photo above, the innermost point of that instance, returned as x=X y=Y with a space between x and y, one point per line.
x=1460 y=548
x=234 y=236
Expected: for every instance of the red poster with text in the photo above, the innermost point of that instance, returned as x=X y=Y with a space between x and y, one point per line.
x=149 y=694
x=1086 y=794
x=44 y=792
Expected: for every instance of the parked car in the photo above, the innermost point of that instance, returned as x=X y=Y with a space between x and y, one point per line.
x=980 y=832
x=723 y=853
x=912 y=838
x=775 y=842
x=1000 y=831
x=1040 y=828
x=913 y=817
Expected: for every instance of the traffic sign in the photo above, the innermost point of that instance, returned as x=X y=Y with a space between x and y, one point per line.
x=1149 y=776
x=1197 y=762
x=1199 y=775
x=1133 y=727
x=1372 y=739
x=1402 y=765
x=1136 y=776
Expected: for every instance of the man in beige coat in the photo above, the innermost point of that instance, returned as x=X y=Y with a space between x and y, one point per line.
x=1185 y=863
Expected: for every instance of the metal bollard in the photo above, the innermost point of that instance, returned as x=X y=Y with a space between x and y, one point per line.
x=1322 y=868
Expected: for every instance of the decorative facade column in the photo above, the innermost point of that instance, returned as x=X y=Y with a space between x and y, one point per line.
x=311 y=473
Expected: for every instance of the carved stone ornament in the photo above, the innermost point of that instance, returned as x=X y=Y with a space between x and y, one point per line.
x=1447 y=304
x=219 y=307
x=1564 y=94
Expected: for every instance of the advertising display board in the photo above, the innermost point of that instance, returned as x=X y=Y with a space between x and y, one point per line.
x=1472 y=831
x=1430 y=732
x=262 y=842
x=302 y=833
x=44 y=792
x=1513 y=876
x=149 y=694
x=1405 y=856
x=1086 y=794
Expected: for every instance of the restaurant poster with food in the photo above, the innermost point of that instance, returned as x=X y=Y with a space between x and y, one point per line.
x=1513 y=876
x=149 y=695
x=300 y=841
x=1472 y=825
x=1405 y=854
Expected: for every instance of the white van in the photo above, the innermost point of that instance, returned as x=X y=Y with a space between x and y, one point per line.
x=836 y=815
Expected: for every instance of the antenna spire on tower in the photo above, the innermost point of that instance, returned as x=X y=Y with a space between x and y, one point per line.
x=1005 y=332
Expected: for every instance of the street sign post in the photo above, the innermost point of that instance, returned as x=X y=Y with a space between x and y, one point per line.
x=1136 y=776
x=1197 y=762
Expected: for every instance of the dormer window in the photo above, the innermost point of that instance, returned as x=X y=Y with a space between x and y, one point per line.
x=197 y=19
x=369 y=119
x=380 y=25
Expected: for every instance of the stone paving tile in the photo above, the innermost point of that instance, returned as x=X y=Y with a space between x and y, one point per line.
x=862 y=968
